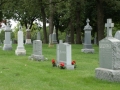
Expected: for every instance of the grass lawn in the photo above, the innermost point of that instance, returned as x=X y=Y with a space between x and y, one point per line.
x=19 y=73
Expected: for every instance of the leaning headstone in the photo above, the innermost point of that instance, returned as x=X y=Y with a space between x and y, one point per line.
x=117 y=35
x=37 y=51
x=38 y=35
x=109 y=56
x=20 y=47
x=64 y=55
x=54 y=40
x=87 y=47
x=7 y=41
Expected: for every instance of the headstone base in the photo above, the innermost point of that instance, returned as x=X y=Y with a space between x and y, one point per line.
x=20 y=52
x=37 y=57
x=7 y=47
x=87 y=50
x=108 y=74
x=70 y=67
x=28 y=41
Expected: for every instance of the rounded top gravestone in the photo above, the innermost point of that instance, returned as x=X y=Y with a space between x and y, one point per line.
x=117 y=35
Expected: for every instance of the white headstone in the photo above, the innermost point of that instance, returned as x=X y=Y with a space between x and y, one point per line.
x=37 y=50
x=109 y=56
x=20 y=47
x=7 y=41
x=64 y=55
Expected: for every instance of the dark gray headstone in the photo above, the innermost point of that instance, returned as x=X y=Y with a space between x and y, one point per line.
x=87 y=47
x=54 y=40
x=68 y=39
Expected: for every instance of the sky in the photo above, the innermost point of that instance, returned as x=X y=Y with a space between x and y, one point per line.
x=14 y=24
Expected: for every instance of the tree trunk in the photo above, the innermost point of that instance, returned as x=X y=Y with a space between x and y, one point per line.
x=78 y=28
x=100 y=20
x=51 y=17
x=44 y=24
x=71 y=32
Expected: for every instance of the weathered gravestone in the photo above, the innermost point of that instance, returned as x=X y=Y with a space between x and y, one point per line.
x=7 y=41
x=87 y=47
x=20 y=47
x=64 y=55
x=37 y=51
x=109 y=56
x=117 y=35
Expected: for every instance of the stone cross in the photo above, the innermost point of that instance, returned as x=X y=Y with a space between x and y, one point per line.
x=109 y=25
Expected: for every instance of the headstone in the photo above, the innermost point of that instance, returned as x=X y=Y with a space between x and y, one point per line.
x=64 y=55
x=37 y=51
x=20 y=47
x=50 y=41
x=109 y=56
x=87 y=47
x=38 y=35
x=7 y=41
x=117 y=35
x=60 y=41
x=95 y=40
x=28 y=35
x=54 y=40
x=67 y=40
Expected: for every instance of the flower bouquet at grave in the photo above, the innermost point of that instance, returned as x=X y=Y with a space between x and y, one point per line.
x=74 y=63
x=62 y=65
x=53 y=63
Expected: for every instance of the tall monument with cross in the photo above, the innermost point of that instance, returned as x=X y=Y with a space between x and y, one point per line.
x=87 y=47
x=109 y=56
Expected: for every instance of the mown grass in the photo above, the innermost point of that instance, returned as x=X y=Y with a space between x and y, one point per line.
x=19 y=73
